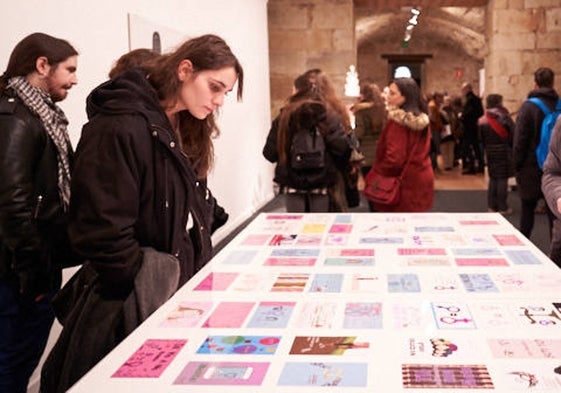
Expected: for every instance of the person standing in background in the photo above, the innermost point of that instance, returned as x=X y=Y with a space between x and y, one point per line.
x=496 y=129
x=313 y=107
x=551 y=187
x=471 y=149
x=35 y=165
x=526 y=139
x=403 y=148
x=370 y=116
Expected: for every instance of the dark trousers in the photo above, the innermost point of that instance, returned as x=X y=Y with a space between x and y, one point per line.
x=497 y=194
x=555 y=248
x=527 y=216
x=24 y=330
x=306 y=202
x=471 y=152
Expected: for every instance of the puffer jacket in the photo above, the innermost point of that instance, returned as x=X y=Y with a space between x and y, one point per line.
x=526 y=139
x=497 y=148
x=33 y=240
x=133 y=187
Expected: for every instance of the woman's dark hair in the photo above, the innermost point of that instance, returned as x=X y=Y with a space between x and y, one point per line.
x=23 y=59
x=414 y=101
x=207 y=52
x=367 y=92
x=136 y=58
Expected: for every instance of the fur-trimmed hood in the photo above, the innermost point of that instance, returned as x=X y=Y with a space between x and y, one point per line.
x=408 y=119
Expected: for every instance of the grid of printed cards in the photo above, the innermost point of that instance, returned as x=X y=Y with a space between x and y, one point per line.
x=354 y=303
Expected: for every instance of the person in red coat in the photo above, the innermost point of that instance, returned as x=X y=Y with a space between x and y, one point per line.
x=406 y=137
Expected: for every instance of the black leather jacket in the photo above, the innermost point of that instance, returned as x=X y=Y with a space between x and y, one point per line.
x=33 y=238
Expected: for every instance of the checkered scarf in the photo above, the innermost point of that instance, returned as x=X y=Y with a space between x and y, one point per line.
x=55 y=123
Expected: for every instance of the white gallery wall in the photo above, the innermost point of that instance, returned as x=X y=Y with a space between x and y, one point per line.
x=99 y=30
x=241 y=179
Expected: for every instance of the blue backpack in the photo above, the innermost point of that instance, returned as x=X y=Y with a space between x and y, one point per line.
x=547 y=128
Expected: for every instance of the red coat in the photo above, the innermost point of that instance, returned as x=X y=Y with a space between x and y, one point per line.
x=404 y=134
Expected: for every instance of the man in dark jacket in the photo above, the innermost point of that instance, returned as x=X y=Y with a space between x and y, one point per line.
x=35 y=159
x=526 y=139
x=471 y=150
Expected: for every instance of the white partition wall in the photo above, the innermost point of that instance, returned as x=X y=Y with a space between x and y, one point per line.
x=99 y=30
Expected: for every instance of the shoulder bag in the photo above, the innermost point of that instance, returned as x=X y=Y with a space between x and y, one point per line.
x=385 y=190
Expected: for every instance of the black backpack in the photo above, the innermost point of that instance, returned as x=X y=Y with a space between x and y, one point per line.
x=307 y=148
x=307 y=151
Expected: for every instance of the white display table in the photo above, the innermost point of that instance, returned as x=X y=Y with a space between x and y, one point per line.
x=357 y=302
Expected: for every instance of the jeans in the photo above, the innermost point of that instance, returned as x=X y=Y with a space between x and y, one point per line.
x=24 y=330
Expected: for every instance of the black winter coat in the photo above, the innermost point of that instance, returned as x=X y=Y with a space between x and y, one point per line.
x=526 y=139
x=338 y=150
x=33 y=240
x=498 y=149
x=133 y=187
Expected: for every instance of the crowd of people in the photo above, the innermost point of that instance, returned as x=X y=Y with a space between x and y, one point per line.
x=131 y=205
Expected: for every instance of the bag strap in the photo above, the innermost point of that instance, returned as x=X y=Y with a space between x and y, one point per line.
x=541 y=104
x=496 y=126
x=409 y=158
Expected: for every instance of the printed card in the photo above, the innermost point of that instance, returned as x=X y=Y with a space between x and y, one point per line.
x=326 y=282
x=349 y=257
x=440 y=348
x=324 y=374
x=522 y=257
x=283 y=240
x=363 y=316
x=239 y=345
x=150 y=360
x=436 y=376
x=316 y=315
x=508 y=240
x=187 y=314
x=525 y=348
x=327 y=345
x=480 y=283
x=240 y=257
x=290 y=262
x=290 y=282
x=452 y=315
x=481 y=262
x=216 y=281
x=403 y=283
x=273 y=315
x=222 y=373
x=229 y=315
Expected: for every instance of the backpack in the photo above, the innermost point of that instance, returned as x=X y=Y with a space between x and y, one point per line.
x=307 y=150
x=547 y=127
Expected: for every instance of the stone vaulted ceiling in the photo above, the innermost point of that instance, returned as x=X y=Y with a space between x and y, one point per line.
x=446 y=24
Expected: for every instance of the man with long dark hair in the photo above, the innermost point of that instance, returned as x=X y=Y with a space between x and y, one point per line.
x=35 y=160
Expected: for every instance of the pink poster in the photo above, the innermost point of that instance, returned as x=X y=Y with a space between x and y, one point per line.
x=229 y=315
x=150 y=360
x=216 y=282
